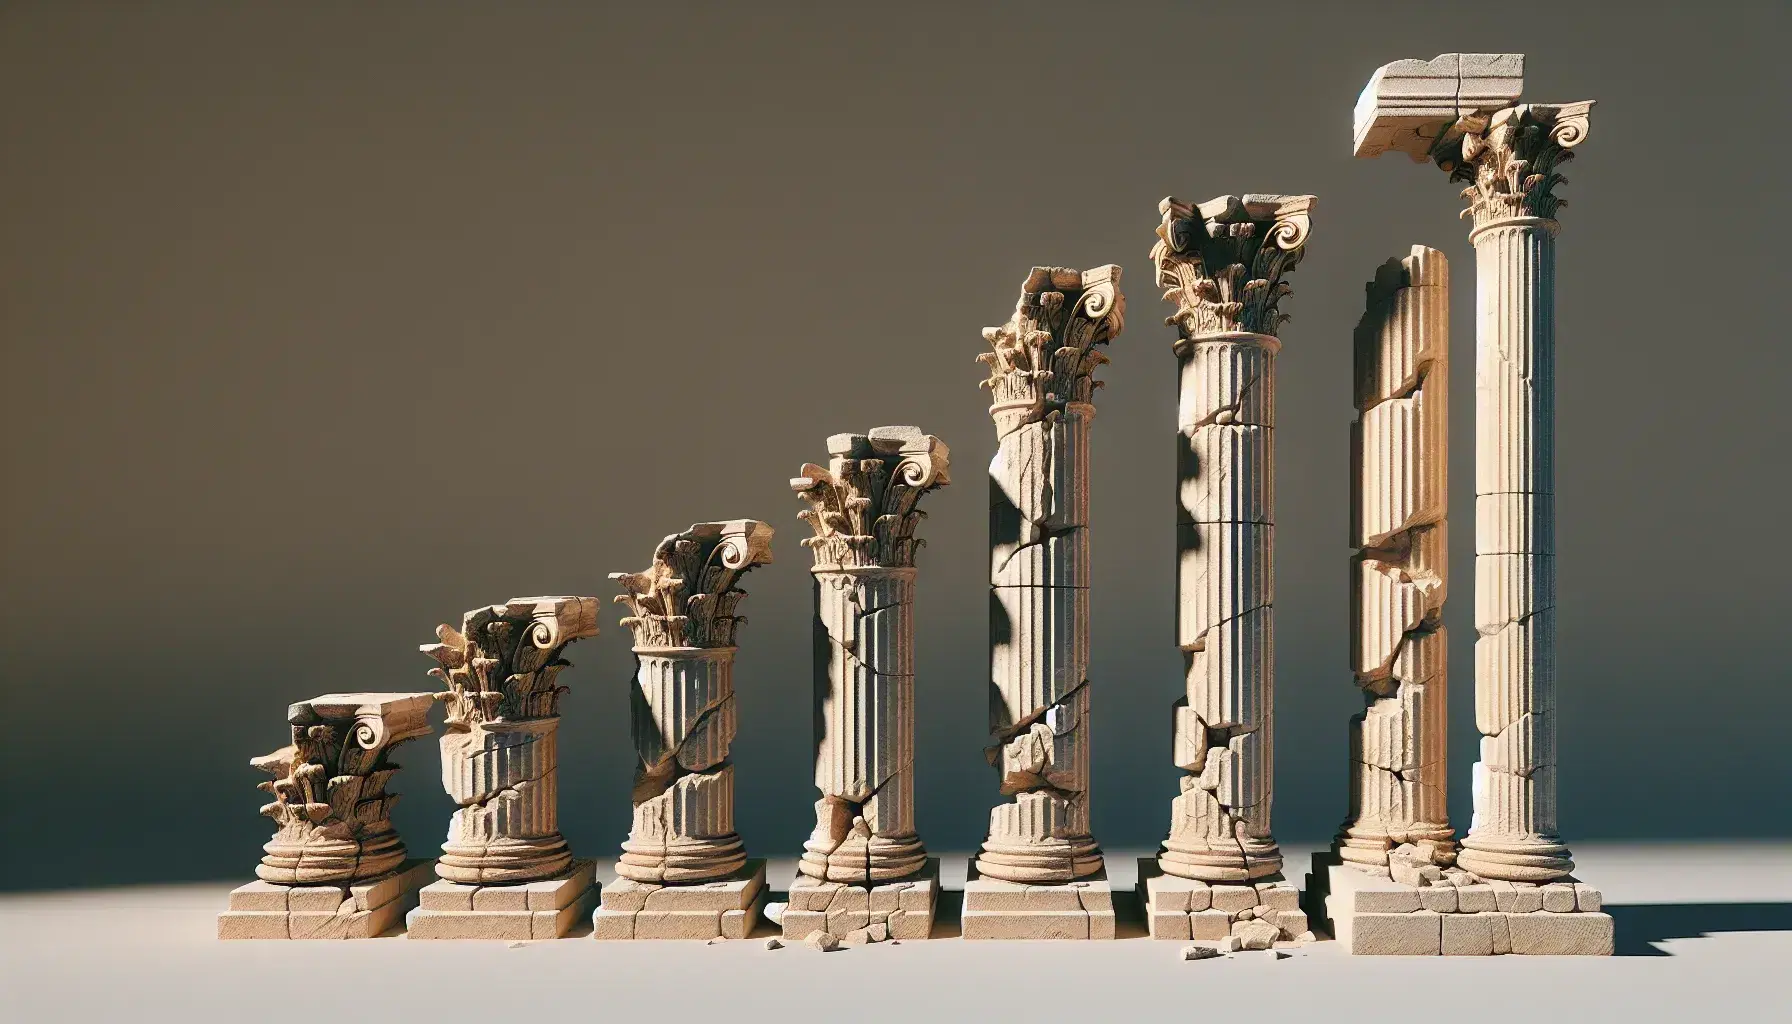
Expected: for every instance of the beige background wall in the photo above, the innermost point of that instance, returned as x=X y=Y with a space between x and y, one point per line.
x=322 y=324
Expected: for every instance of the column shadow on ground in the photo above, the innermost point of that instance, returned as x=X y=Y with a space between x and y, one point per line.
x=1638 y=927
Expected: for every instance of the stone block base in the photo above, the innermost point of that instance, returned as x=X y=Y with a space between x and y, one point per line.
x=904 y=907
x=724 y=909
x=994 y=909
x=364 y=910
x=1376 y=916
x=1184 y=909
x=528 y=910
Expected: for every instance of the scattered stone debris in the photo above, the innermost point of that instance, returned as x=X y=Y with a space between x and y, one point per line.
x=1199 y=952
x=822 y=941
x=774 y=943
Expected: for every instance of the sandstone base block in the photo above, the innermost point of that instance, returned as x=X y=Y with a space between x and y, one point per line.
x=905 y=906
x=724 y=909
x=1186 y=909
x=530 y=910
x=364 y=910
x=1377 y=916
x=995 y=909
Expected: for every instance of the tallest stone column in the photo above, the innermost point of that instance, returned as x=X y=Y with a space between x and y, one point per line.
x=1458 y=110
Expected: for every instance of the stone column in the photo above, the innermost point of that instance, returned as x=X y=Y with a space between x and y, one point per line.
x=1400 y=476
x=865 y=850
x=335 y=868
x=1042 y=384
x=1458 y=110
x=683 y=718
x=500 y=763
x=1222 y=264
x=1512 y=168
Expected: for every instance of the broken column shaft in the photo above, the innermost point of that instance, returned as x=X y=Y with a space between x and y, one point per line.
x=1400 y=456
x=1222 y=264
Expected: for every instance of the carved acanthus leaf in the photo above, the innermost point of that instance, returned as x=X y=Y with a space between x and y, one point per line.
x=687 y=597
x=1045 y=354
x=330 y=782
x=1222 y=262
x=1511 y=160
x=501 y=664
x=862 y=505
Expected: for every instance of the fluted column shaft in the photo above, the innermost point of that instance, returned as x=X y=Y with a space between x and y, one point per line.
x=1513 y=835
x=1039 y=647
x=1400 y=455
x=683 y=721
x=864 y=765
x=1223 y=727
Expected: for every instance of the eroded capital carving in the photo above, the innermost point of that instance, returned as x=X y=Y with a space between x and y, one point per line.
x=502 y=663
x=330 y=800
x=863 y=503
x=687 y=597
x=1222 y=262
x=1512 y=158
x=1045 y=357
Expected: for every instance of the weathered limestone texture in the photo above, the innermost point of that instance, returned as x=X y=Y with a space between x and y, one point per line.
x=1400 y=450
x=1260 y=915
x=1222 y=264
x=1510 y=890
x=1510 y=157
x=864 y=510
x=335 y=868
x=499 y=763
x=1041 y=381
x=682 y=855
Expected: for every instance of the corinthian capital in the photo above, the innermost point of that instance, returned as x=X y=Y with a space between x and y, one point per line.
x=687 y=597
x=1511 y=159
x=1045 y=356
x=501 y=664
x=863 y=503
x=1222 y=262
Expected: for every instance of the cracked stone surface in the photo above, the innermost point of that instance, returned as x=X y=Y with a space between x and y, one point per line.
x=864 y=509
x=1509 y=157
x=683 y=618
x=1041 y=382
x=1222 y=263
x=499 y=753
x=1400 y=460
x=331 y=810
x=363 y=909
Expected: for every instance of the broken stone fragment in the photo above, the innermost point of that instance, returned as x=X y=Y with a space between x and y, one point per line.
x=822 y=941
x=856 y=937
x=1199 y=952
x=774 y=943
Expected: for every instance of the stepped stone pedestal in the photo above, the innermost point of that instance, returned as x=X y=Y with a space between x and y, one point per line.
x=901 y=909
x=726 y=908
x=1374 y=915
x=1261 y=915
x=357 y=910
x=998 y=909
x=543 y=909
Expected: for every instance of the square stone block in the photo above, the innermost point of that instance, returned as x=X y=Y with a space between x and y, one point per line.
x=1026 y=924
x=838 y=908
x=365 y=910
x=1233 y=898
x=1559 y=899
x=1468 y=934
x=1209 y=924
x=1168 y=924
x=1543 y=933
x=531 y=910
x=1419 y=933
x=1442 y=899
x=1511 y=899
x=1587 y=899
x=1475 y=899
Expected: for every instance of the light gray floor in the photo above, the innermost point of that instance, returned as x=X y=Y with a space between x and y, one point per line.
x=1700 y=929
